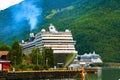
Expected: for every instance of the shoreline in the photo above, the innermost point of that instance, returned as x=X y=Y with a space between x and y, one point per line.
x=45 y=74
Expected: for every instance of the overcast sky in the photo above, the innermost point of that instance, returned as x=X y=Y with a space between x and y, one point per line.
x=7 y=3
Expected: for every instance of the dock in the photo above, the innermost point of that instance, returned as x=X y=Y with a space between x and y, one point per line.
x=43 y=74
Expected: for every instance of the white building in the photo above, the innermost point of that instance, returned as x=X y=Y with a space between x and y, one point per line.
x=60 y=42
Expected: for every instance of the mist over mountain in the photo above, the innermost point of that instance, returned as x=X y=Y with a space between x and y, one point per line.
x=95 y=24
x=20 y=18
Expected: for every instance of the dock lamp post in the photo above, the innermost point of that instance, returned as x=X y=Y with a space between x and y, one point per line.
x=46 y=61
x=14 y=63
x=37 y=57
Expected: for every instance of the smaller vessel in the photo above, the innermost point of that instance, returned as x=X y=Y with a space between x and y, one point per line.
x=89 y=59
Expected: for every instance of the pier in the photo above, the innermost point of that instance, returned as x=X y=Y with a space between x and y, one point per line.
x=43 y=74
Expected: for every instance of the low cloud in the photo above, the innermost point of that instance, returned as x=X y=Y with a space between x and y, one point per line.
x=4 y=4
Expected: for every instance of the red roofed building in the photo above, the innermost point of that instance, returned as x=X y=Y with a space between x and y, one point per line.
x=4 y=62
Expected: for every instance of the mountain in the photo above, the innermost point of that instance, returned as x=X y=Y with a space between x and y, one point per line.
x=95 y=25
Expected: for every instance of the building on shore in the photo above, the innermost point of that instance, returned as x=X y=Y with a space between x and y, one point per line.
x=60 y=42
x=4 y=62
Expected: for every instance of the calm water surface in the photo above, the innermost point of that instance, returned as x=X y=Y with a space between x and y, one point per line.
x=105 y=74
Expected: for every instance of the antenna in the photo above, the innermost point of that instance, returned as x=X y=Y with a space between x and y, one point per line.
x=52 y=28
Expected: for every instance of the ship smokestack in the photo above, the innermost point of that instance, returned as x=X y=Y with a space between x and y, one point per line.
x=32 y=37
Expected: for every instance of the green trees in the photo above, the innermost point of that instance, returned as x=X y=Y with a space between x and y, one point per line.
x=42 y=60
x=48 y=56
x=36 y=57
x=39 y=60
x=4 y=47
x=15 y=54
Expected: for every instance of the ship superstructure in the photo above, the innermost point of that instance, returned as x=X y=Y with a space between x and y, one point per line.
x=60 y=42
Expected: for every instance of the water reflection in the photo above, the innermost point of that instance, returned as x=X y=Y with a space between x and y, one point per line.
x=95 y=76
x=104 y=74
x=99 y=73
x=110 y=73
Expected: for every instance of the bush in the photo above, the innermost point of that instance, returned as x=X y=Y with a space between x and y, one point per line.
x=46 y=67
x=23 y=66
x=38 y=67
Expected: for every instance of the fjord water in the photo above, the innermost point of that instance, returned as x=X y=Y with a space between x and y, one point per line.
x=111 y=74
x=105 y=74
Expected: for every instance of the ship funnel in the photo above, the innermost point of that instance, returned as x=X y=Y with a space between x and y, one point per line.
x=32 y=37
x=22 y=41
x=31 y=34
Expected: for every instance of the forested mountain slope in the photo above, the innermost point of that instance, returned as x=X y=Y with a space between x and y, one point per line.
x=95 y=25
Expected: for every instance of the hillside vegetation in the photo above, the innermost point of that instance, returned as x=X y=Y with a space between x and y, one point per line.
x=95 y=25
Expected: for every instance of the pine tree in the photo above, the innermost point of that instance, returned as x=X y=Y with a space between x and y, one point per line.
x=15 y=54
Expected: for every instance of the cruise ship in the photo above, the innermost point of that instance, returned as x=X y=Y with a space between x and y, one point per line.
x=88 y=59
x=60 y=42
